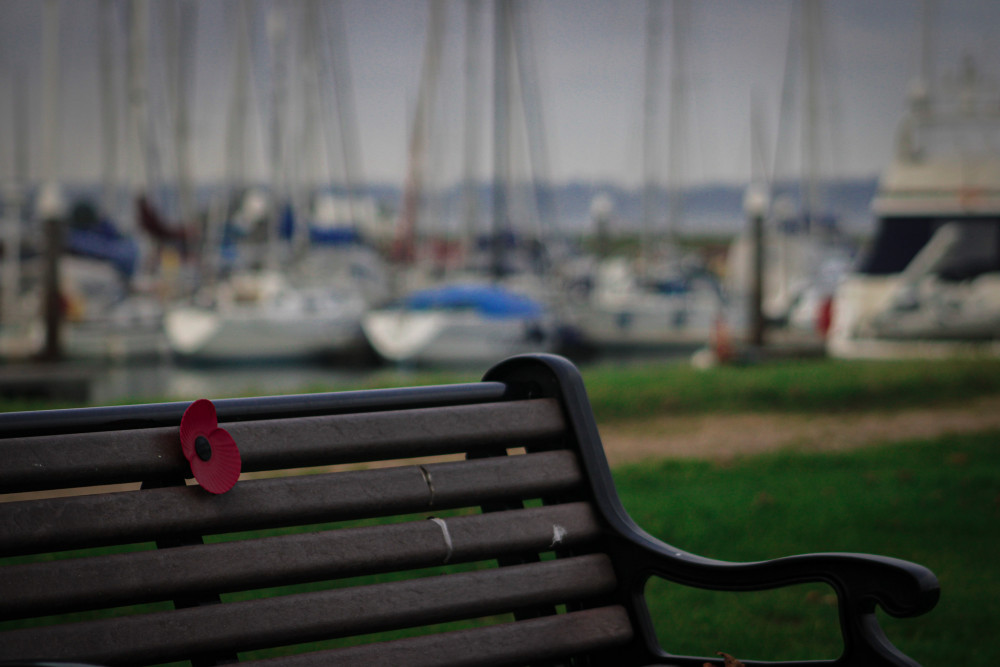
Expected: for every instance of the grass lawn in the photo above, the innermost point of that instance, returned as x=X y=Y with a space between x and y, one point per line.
x=936 y=503
x=815 y=385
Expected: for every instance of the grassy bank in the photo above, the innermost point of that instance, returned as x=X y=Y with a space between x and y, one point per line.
x=936 y=503
x=623 y=393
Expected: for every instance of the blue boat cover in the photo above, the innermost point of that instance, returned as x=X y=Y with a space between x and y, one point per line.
x=488 y=300
x=105 y=243
x=334 y=235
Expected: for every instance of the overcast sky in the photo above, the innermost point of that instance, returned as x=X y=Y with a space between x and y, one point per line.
x=589 y=60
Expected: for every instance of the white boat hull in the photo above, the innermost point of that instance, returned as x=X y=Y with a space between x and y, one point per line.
x=261 y=318
x=645 y=323
x=206 y=334
x=621 y=312
x=445 y=338
x=863 y=328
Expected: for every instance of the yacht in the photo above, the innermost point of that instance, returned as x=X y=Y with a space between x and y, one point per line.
x=929 y=284
x=460 y=323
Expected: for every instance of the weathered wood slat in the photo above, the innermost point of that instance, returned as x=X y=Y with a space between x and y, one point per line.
x=88 y=420
x=118 y=518
x=167 y=636
x=108 y=457
x=109 y=581
x=540 y=639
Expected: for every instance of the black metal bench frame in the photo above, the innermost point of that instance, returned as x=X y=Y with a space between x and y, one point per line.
x=570 y=572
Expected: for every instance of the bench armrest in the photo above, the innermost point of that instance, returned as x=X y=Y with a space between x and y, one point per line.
x=900 y=587
x=860 y=581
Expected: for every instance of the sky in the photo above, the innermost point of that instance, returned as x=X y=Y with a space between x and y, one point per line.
x=588 y=58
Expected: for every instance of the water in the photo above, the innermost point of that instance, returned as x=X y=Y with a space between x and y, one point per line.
x=170 y=381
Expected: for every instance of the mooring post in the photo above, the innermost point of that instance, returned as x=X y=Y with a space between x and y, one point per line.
x=755 y=203
x=51 y=212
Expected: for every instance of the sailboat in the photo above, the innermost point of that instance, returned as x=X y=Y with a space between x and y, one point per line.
x=302 y=290
x=929 y=284
x=663 y=299
x=472 y=317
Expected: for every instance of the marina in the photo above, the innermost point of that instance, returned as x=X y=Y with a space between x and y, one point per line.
x=151 y=277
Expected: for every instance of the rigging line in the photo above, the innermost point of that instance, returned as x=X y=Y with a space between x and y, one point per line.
x=150 y=122
x=473 y=113
x=330 y=95
x=343 y=83
x=406 y=228
x=531 y=100
x=782 y=140
x=677 y=127
x=312 y=62
x=501 y=134
x=650 y=173
x=759 y=163
x=186 y=68
x=109 y=111
x=829 y=82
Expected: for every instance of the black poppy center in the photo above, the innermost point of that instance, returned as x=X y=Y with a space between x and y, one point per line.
x=203 y=448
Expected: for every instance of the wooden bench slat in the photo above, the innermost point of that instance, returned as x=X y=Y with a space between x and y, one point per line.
x=149 y=576
x=167 y=636
x=539 y=639
x=151 y=454
x=118 y=518
x=85 y=420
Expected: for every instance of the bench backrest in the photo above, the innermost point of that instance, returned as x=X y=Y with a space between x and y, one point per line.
x=489 y=515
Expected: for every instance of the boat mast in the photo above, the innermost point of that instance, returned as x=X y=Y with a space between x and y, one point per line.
x=678 y=109
x=404 y=242
x=109 y=107
x=812 y=34
x=50 y=205
x=473 y=115
x=138 y=155
x=50 y=93
x=277 y=35
x=654 y=34
x=316 y=141
x=928 y=12
x=531 y=106
x=238 y=103
x=180 y=34
x=501 y=133
x=340 y=76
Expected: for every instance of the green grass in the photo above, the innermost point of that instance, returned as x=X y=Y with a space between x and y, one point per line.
x=935 y=502
x=635 y=392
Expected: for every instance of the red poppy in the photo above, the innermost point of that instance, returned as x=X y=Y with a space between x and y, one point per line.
x=211 y=451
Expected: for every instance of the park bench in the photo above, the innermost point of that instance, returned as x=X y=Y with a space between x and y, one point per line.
x=358 y=514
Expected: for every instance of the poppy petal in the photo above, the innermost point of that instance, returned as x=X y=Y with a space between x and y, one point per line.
x=222 y=470
x=200 y=418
